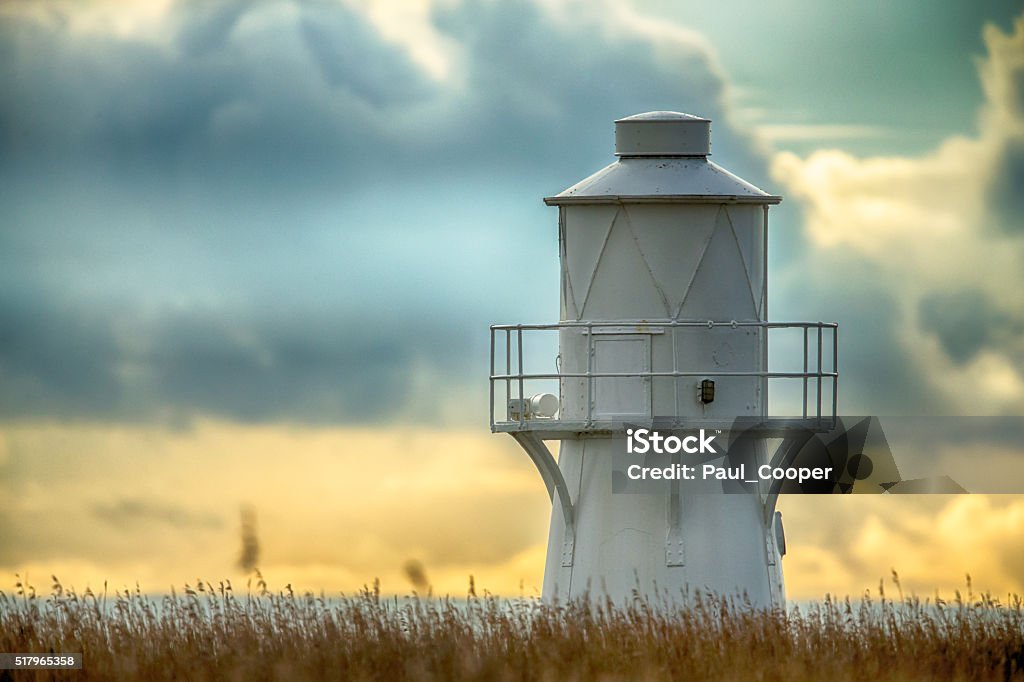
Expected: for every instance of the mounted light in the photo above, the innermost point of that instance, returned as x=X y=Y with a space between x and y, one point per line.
x=543 y=406
x=707 y=391
x=540 y=406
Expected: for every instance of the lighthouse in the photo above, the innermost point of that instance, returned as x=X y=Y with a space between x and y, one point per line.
x=663 y=325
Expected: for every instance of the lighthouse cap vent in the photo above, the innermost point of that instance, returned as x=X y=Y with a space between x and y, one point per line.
x=663 y=133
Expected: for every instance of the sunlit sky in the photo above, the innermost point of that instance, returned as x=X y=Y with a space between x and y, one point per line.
x=249 y=252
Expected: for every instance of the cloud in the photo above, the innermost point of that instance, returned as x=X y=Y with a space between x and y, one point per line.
x=270 y=211
x=935 y=240
x=105 y=361
x=313 y=89
x=967 y=321
x=1004 y=193
x=932 y=541
x=337 y=504
x=128 y=512
x=783 y=132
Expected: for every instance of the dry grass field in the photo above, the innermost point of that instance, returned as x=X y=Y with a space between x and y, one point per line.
x=210 y=632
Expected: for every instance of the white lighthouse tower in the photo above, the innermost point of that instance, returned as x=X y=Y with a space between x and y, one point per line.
x=664 y=304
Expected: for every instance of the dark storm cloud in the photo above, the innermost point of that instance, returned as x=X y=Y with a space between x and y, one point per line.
x=248 y=365
x=206 y=26
x=1005 y=195
x=320 y=371
x=53 y=358
x=310 y=88
x=276 y=214
x=878 y=374
x=392 y=81
x=560 y=85
x=265 y=103
x=1006 y=189
x=968 y=321
x=880 y=377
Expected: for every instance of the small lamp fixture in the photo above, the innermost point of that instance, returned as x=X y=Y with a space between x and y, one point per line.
x=707 y=391
x=543 y=406
x=540 y=406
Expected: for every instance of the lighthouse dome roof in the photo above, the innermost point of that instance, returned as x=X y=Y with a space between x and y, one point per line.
x=663 y=158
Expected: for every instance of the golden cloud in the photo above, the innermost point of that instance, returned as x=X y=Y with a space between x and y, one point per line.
x=336 y=507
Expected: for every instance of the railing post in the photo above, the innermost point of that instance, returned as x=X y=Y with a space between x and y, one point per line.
x=819 y=372
x=522 y=403
x=508 y=370
x=490 y=382
x=805 y=370
x=835 y=372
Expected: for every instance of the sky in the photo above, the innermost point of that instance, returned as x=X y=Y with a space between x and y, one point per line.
x=249 y=252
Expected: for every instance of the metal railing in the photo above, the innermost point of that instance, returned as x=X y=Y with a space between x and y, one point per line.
x=513 y=380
